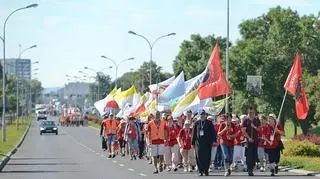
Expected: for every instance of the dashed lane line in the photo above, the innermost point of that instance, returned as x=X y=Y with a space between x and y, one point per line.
x=91 y=150
x=142 y=174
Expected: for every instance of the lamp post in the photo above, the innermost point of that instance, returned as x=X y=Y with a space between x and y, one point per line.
x=227 y=54
x=3 y=38
x=98 y=81
x=117 y=65
x=151 y=45
x=17 y=76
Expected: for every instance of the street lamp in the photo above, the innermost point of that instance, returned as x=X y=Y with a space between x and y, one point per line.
x=3 y=38
x=151 y=45
x=96 y=72
x=21 y=52
x=227 y=53
x=117 y=65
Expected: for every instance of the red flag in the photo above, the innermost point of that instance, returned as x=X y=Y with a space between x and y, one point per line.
x=139 y=110
x=294 y=85
x=214 y=83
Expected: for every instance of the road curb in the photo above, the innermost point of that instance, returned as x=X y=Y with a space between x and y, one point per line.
x=6 y=159
x=299 y=171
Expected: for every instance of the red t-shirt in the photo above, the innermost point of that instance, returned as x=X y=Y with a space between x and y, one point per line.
x=185 y=138
x=121 y=133
x=216 y=143
x=223 y=136
x=262 y=132
x=239 y=138
x=173 y=134
x=132 y=131
x=277 y=137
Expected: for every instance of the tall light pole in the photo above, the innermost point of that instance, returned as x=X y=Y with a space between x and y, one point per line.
x=30 y=97
x=17 y=87
x=151 y=45
x=3 y=38
x=117 y=65
x=227 y=54
x=98 y=81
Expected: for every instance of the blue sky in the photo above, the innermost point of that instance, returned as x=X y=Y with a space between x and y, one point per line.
x=71 y=34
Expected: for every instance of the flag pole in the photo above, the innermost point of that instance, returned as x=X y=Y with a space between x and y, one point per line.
x=284 y=98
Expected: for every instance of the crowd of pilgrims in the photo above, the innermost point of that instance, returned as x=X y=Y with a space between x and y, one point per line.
x=197 y=142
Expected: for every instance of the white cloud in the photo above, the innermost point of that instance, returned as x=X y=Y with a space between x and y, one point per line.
x=282 y=2
x=197 y=11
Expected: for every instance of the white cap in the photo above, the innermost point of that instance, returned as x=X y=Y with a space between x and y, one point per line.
x=273 y=115
x=111 y=114
x=210 y=117
x=164 y=115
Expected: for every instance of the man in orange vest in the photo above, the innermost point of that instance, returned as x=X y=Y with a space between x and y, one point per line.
x=158 y=134
x=110 y=132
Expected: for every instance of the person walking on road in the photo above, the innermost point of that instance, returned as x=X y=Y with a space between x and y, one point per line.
x=227 y=133
x=157 y=131
x=110 y=132
x=132 y=136
x=171 y=146
x=251 y=129
x=121 y=140
x=186 y=149
x=103 y=138
x=202 y=138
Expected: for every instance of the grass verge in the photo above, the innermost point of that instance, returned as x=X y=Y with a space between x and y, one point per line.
x=13 y=136
x=289 y=130
x=301 y=162
x=95 y=125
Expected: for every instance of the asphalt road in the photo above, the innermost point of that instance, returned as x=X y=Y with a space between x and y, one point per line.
x=76 y=153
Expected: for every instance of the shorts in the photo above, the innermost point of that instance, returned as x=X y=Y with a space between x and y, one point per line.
x=122 y=143
x=133 y=144
x=157 y=150
x=111 y=139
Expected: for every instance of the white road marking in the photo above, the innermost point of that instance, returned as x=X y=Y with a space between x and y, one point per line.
x=121 y=165
x=97 y=154
x=102 y=155
x=131 y=169
x=142 y=174
x=114 y=161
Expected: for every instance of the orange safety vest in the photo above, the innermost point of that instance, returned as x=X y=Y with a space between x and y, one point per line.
x=157 y=132
x=110 y=127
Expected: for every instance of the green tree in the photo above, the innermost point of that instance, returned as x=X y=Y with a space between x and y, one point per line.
x=141 y=79
x=267 y=47
x=194 y=54
x=102 y=86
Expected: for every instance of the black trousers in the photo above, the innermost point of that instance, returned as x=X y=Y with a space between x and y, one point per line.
x=251 y=155
x=141 y=146
x=274 y=155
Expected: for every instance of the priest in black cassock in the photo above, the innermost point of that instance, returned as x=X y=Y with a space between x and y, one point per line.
x=203 y=135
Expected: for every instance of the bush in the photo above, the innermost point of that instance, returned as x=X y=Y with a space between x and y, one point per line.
x=306 y=163
x=301 y=148
x=311 y=138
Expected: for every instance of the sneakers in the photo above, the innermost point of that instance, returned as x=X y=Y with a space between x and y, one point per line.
x=155 y=171
x=272 y=172
x=206 y=173
x=169 y=169
x=110 y=156
x=250 y=173
x=185 y=169
x=161 y=168
x=134 y=157
x=175 y=169
x=276 y=169
x=190 y=169
x=262 y=169
x=228 y=173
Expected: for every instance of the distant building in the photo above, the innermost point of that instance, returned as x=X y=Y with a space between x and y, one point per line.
x=18 y=67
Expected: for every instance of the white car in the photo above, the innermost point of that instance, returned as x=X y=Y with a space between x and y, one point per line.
x=42 y=115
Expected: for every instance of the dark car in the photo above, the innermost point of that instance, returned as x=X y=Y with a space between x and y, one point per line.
x=48 y=127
